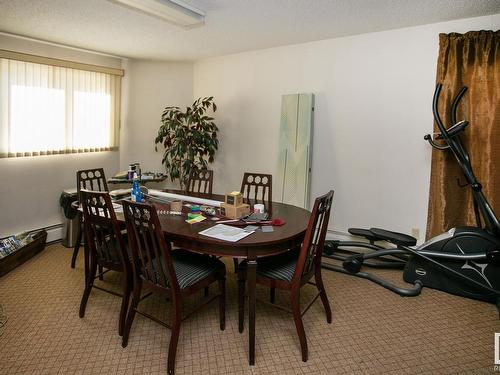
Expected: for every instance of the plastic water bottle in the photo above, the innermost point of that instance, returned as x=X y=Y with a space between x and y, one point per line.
x=136 y=193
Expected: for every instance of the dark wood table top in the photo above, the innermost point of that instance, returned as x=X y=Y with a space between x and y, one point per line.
x=257 y=244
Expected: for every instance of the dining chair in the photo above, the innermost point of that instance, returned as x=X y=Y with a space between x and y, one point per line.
x=90 y=179
x=173 y=274
x=106 y=246
x=200 y=181
x=294 y=269
x=257 y=188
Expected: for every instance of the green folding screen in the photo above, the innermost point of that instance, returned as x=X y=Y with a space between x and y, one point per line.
x=296 y=136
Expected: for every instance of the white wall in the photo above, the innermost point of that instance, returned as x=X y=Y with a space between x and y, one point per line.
x=150 y=87
x=373 y=107
x=30 y=187
x=373 y=96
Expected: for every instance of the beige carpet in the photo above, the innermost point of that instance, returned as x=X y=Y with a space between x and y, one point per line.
x=373 y=330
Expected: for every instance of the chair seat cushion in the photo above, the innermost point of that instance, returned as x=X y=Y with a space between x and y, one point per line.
x=112 y=249
x=278 y=267
x=191 y=268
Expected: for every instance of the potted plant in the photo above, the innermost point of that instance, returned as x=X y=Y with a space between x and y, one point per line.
x=189 y=138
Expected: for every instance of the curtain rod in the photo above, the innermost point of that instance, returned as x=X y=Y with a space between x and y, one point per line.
x=55 y=44
x=59 y=62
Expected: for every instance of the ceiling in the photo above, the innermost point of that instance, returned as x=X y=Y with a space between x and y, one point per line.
x=231 y=26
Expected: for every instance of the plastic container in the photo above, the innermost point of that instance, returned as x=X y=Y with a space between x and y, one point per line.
x=136 y=193
x=71 y=221
x=21 y=255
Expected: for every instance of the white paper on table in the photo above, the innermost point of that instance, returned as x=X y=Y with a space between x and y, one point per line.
x=225 y=233
x=116 y=207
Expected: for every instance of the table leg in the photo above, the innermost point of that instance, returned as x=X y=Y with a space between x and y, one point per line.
x=86 y=260
x=251 y=284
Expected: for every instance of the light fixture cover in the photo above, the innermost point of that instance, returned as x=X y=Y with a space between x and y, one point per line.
x=174 y=11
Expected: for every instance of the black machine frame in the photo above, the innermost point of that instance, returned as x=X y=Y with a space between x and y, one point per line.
x=440 y=263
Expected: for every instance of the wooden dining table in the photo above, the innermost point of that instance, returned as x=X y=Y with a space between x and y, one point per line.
x=259 y=244
x=251 y=248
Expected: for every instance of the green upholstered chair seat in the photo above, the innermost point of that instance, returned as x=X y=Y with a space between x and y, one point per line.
x=112 y=249
x=191 y=267
x=279 y=267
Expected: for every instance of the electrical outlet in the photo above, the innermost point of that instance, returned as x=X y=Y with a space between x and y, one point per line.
x=415 y=232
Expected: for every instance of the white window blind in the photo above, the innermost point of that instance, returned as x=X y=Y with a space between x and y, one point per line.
x=54 y=109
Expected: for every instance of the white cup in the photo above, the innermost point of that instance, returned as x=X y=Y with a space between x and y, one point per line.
x=258 y=208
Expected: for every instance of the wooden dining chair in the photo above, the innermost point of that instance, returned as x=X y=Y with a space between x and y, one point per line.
x=294 y=269
x=173 y=274
x=106 y=248
x=200 y=181
x=257 y=188
x=89 y=179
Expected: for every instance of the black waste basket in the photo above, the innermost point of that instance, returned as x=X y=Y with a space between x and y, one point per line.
x=71 y=223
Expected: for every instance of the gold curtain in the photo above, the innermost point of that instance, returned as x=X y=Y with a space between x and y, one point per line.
x=472 y=60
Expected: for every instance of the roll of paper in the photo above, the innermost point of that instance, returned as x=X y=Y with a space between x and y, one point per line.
x=187 y=198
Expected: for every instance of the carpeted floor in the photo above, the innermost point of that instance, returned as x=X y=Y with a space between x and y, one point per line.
x=373 y=330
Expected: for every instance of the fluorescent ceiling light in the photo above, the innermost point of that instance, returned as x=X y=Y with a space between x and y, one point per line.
x=174 y=11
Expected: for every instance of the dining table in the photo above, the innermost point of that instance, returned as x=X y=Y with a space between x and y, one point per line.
x=259 y=244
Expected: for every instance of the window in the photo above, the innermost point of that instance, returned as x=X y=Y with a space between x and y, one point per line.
x=52 y=106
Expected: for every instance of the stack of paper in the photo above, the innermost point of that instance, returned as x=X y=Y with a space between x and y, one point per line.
x=118 y=193
x=226 y=233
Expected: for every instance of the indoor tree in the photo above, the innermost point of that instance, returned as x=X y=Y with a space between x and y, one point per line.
x=189 y=138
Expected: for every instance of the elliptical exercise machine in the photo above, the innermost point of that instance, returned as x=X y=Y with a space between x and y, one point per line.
x=464 y=261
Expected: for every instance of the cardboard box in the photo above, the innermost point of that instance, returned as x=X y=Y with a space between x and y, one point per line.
x=234 y=198
x=234 y=212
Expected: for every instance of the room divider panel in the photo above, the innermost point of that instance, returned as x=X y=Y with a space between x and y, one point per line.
x=295 y=149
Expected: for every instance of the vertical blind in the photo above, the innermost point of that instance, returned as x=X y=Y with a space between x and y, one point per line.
x=53 y=109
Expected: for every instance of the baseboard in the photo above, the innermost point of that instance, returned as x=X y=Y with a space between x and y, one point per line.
x=54 y=232
x=338 y=234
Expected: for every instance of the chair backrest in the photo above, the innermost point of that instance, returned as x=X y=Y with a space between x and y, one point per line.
x=91 y=179
x=314 y=239
x=257 y=188
x=200 y=181
x=148 y=246
x=102 y=231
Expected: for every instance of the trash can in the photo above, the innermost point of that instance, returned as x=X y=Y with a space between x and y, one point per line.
x=71 y=223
